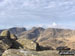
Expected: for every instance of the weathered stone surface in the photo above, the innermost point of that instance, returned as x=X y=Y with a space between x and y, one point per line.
x=5 y=44
x=15 y=52
x=27 y=44
x=62 y=48
x=5 y=33
x=49 y=53
x=1 y=52
x=13 y=37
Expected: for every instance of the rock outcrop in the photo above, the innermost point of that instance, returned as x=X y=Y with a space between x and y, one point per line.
x=15 y=52
x=27 y=44
x=13 y=36
x=62 y=48
x=8 y=35
x=5 y=33
x=23 y=43
x=5 y=42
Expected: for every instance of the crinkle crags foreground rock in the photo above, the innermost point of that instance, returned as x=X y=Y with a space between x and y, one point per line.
x=27 y=44
x=24 y=43
x=15 y=52
x=5 y=33
x=5 y=42
x=8 y=35
x=9 y=44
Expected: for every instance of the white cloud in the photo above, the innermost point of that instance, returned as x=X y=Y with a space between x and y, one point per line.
x=54 y=24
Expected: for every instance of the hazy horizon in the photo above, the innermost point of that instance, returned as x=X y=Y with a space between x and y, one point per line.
x=41 y=13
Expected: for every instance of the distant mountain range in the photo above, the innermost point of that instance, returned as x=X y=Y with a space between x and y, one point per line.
x=50 y=37
x=15 y=30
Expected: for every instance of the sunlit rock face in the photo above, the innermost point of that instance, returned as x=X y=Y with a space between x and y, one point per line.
x=15 y=52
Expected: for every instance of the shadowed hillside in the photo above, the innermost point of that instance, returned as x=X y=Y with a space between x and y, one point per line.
x=34 y=33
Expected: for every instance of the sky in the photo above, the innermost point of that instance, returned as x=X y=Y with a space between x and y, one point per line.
x=40 y=13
